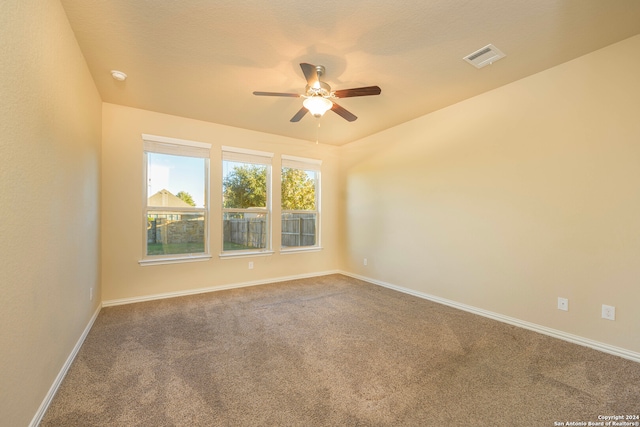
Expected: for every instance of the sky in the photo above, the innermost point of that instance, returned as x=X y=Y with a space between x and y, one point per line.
x=175 y=174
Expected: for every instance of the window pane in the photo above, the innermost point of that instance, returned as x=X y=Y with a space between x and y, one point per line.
x=298 y=190
x=175 y=181
x=244 y=231
x=299 y=229
x=244 y=185
x=175 y=233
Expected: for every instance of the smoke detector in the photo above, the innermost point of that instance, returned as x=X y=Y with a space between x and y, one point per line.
x=118 y=75
x=485 y=56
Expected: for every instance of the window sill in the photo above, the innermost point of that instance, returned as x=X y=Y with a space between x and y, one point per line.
x=229 y=255
x=175 y=260
x=299 y=250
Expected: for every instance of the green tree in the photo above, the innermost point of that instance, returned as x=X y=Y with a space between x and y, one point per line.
x=245 y=187
x=298 y=190
x=186 y=197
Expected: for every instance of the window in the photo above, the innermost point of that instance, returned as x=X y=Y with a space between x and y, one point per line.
x=300 y=202
x=246 y=201
x=176 y=207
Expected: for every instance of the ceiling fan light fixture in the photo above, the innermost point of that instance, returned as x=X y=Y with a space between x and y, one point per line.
x=317 y=105
x=318 y=96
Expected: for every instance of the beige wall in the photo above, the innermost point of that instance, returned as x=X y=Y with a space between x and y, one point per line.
x=122 y=198
x=515 y=197
x=50 y=117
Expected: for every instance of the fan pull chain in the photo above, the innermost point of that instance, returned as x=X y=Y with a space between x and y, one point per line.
x=318 y=131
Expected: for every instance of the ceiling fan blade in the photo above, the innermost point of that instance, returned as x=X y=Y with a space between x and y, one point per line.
x=310 y=73
x=293 y=95
x=343 y=113
x=300 y=114
x=359 y=91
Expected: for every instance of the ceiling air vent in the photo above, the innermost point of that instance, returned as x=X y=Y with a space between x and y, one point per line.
x=485 y=56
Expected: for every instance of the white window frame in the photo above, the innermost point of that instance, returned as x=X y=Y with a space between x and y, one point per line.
x=176 y=147
x=244 y=155
x=304 y=164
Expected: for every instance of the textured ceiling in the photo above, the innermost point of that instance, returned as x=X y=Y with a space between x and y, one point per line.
x=202 y=59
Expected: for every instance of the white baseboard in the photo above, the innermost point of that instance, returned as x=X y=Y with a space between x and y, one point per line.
x=109 y=303
x=63 y=372
x=575 y=339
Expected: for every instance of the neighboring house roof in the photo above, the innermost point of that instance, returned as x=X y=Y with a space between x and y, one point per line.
x=165 y=198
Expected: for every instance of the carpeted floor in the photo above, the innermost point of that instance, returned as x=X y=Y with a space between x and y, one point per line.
x=330 y=351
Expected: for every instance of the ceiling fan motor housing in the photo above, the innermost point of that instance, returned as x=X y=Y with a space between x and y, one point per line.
x=319 y=89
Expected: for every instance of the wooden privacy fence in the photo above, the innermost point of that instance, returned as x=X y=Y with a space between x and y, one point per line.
x=299 y=231
x=252 y=232
x=186 y=230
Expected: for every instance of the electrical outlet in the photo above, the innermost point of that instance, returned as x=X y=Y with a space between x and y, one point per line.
x=250 y=265
x=608 y=312
x=563 y=304
x=364 y=262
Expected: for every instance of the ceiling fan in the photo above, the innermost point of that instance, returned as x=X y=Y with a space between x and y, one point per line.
x=318 y=96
